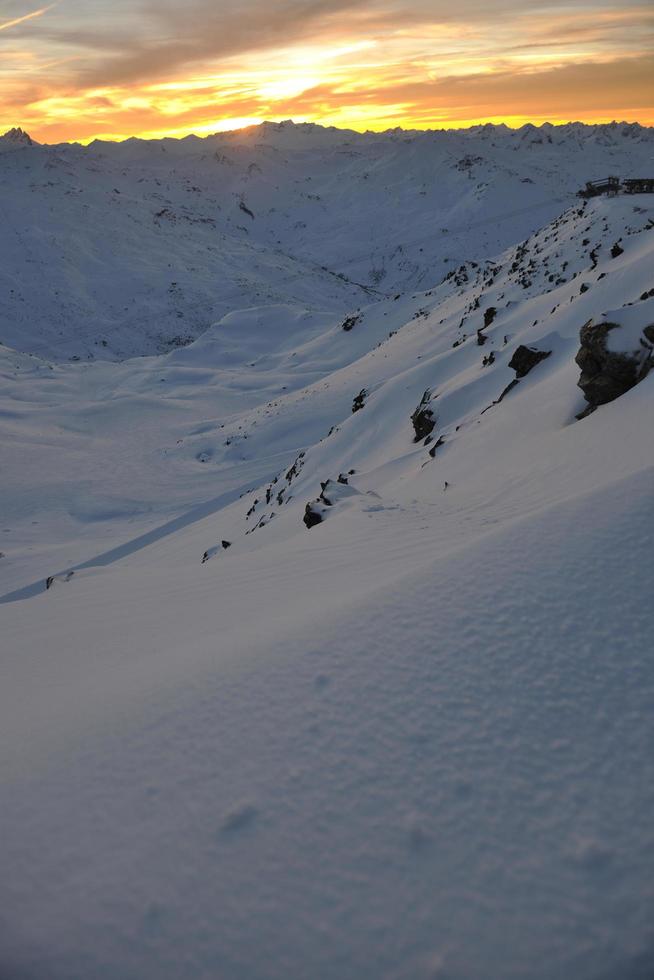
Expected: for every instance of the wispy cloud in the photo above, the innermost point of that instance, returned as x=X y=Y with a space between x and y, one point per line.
x=5 y=25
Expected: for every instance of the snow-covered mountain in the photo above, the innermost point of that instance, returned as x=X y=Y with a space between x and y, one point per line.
x=328 y=628
x=133 y=248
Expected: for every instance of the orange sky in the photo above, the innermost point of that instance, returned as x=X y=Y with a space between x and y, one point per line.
x=80 y=69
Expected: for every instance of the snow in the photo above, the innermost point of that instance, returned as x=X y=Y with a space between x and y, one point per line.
x=631 y=321
x=411 y=741
x=391 y=211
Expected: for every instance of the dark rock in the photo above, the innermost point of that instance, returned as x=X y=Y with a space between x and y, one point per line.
x=526 y=358
x=439 y=442
x=64 y=577
x=489 y=316
x=511 y=385
x=329 y=491
x=226 y=544
x=349 y=322
x=359 y=401
x=616 y=250
x=605 y=374
x=423 y=418
x=311 y=517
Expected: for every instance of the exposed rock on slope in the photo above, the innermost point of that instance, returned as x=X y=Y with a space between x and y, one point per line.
x=615 y=354
x=525 y=358
x=423 y=418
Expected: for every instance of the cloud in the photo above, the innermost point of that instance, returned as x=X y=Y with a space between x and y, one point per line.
x=5 y=25
x=122 y=67
x=568 y=91
x=171 y=36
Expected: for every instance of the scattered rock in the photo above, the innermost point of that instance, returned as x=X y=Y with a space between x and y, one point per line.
x=332 y=492
x=350 y=321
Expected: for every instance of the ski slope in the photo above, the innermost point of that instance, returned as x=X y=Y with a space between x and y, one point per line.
x=414 y=740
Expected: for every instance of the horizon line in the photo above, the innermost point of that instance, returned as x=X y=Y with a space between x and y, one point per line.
x=342 y=129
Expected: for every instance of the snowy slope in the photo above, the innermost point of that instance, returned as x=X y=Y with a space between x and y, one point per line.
x=233 y=409
x=412 y=741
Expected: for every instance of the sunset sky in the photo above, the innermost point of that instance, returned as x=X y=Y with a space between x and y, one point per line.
x=79 y=69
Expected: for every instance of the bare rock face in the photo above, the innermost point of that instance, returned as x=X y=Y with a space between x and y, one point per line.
x=423 y=418
x=526 y=358
x=359 y=400
x=608 y=373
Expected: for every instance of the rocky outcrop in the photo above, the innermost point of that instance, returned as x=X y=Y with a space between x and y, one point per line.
x=423 y=418
x=526 y=358
x=332 y=493
x=523 y=360
x=608 y=373
x=359 y=400
x=312 y=516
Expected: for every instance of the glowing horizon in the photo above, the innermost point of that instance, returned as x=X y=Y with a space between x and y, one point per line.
x=73 y=71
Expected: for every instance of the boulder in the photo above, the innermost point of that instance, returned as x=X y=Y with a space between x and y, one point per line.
x=311 y=516
x=608 y=373
x=526 y=358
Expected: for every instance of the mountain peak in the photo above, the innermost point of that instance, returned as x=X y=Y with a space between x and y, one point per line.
x=18 y=136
